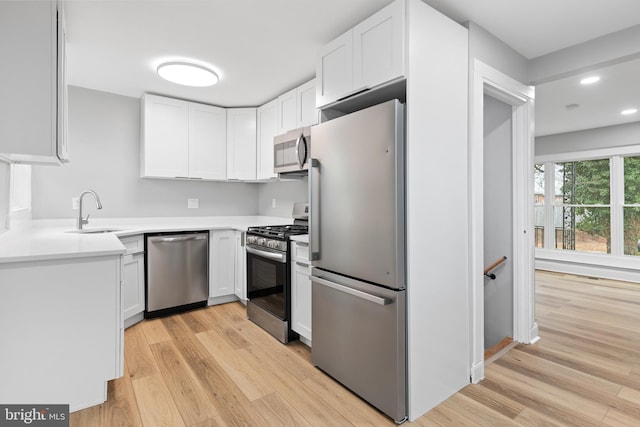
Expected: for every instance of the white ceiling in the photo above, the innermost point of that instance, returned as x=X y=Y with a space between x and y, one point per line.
x=262 y=48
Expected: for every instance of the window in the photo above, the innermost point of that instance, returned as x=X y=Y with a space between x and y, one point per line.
x=631 y=206
x=582 y=206
x=20 y=190
x=538 y=204
x=590 y=205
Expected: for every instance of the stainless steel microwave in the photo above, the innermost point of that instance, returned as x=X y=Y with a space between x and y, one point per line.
x=291 y=151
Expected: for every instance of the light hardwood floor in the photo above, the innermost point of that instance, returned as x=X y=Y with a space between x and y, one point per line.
x=213 y=367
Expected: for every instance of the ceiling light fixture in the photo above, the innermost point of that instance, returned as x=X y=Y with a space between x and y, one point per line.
x=590 y=80
x=629 y=111
x=187 y=74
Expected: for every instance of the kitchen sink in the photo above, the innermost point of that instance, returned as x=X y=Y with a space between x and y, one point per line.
x=94 y=230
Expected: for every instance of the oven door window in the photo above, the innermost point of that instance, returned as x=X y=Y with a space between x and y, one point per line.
x=266 y=280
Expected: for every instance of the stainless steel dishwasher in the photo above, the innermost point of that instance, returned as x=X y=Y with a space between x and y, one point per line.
x=177 y=272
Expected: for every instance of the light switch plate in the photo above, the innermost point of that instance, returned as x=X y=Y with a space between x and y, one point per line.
x=193 y=203
x=75 y=202
x=273 y=203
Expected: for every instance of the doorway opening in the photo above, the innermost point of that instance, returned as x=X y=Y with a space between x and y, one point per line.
x=505 y=108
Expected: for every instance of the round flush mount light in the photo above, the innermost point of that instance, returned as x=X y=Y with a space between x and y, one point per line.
x=572 y=107
x=629 y=111
x=187 y=74
x=590 y=80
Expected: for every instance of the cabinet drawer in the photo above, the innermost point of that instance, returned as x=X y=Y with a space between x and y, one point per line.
x=301 y=251
x=134 y=244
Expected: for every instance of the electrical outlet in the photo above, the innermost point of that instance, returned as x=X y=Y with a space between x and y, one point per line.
x=75 y=203
x=273 y=203
x=193 y=203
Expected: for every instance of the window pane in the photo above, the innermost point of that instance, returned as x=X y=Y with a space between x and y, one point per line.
x=631 y=181
x=585 y=182
x=585 y=229
x=539 y=226
x=632 y=231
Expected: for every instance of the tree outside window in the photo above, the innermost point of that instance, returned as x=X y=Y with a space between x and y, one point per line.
x=631 y=208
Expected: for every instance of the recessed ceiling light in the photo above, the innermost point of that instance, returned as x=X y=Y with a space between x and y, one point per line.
x=629 y=111
x=590 y=80
x=572 y=107
x=187 y=74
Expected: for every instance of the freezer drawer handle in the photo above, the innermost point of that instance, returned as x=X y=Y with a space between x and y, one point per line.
x=176 y=239
x=269 y=255
x=351 y=291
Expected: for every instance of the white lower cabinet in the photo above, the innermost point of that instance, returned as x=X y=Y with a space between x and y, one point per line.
x=241 y=267
x=133 y=280
x=222 y=268
x=301 y=289
x=62 y=330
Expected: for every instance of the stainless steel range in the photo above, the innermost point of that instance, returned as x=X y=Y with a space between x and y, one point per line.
x=269 y=274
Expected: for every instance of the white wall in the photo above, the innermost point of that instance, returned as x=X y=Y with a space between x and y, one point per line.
x=487 y=48
x=590 y=139
x=4 y=195
x=498 y=220
x=104 y=138
x=286 y=194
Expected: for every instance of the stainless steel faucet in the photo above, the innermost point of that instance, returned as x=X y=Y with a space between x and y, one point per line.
x=83 y=221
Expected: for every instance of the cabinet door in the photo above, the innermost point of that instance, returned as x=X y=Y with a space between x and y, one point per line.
x=241 y=143
x=334 y=70
x=288 y=111
x=207 y=142
x=28 y=87
x=222 y=263
x=378 y=47
x=307 y=114
x=133 y=285
x=165 y=142
x=301 y=299
x=63 y=142
x=241 y=267
x=267 y=130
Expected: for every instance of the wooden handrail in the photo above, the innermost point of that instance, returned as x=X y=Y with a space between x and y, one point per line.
x=492 y=266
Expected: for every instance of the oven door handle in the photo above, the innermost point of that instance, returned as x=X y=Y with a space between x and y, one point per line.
x=280 y=257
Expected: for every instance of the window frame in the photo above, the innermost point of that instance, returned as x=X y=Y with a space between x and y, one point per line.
x=616 y=170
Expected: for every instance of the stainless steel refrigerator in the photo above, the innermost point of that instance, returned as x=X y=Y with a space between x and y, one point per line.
x=357 y=241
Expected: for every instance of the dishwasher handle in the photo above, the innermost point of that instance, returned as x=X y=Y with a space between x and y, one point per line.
x=354 y=292
x=177 y=239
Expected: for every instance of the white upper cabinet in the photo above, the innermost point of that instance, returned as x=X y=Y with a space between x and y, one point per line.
x=165 y=139
x=370 y=54
x=207 y=141
x=334 y=70
x=241 y=144
x=267 y=129
x=297 y=108
x=182 y=139
x=307 y=114
x=288 y=115
x=33 y=84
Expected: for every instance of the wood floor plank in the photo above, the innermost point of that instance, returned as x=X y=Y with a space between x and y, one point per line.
x=121 y=408
x=139 y=360
x=154 y=331
x=157 y=407
x=245 y=376
x=187 y=393
x=477 y=412
x=493 y=400
x=278 y=412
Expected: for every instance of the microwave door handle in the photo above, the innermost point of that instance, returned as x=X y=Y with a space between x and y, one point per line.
x=314 y=214
x=303 y=158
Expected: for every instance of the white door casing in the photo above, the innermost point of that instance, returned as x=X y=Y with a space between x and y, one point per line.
x=487 y=80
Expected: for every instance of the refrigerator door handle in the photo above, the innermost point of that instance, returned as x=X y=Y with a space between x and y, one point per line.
x=354 y=292
x=314 y=217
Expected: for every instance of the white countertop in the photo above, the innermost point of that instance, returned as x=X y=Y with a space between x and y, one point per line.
x=40 y=240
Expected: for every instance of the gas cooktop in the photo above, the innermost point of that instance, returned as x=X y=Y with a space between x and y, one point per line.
x=279 y=231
